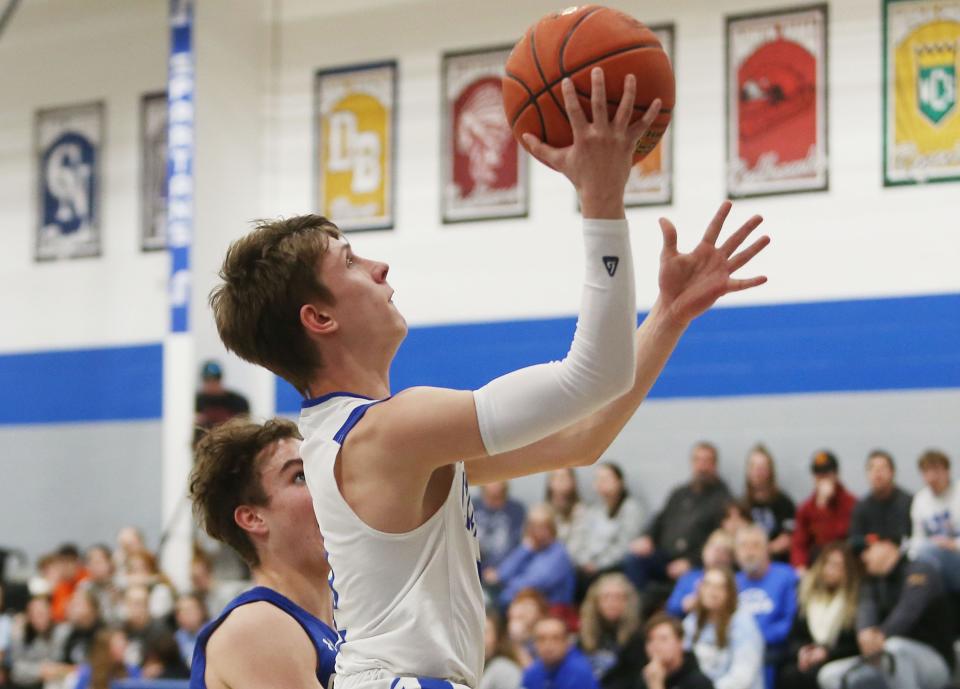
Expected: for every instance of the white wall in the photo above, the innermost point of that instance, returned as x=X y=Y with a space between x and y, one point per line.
x=62 y=53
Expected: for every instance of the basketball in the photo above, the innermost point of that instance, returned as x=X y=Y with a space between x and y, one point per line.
x=570 y=44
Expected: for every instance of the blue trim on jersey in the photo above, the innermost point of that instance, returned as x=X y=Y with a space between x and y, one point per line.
x=323 y=638
x=352 y=421
x=306 y=404
x=424 y=682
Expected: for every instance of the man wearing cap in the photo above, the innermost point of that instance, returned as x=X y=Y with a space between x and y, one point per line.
x=214 y=403
x=902 y=614
x=824 y=517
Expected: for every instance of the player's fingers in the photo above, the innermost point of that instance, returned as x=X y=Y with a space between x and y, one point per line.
x=740 y=236
x=546 y=154
x=713 y=229
x=640 y=127
x=669 y=237
x=740 y=285
x=578 y=121
x=598 y=96
x=625 y=110
x=739 y=260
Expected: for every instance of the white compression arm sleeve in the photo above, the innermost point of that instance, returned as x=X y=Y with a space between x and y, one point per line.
x=529 y=404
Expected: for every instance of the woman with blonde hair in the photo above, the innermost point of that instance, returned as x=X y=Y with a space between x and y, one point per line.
x=825 y=628
x=726 y=640
x=769 y=506
x=609 y=616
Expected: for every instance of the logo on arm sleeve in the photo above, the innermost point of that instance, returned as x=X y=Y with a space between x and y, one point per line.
x=611 y=263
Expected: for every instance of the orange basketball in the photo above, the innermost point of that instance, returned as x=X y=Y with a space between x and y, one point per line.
x=570 y=44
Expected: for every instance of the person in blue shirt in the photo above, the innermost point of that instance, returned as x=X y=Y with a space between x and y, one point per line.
x=540 y=562
x=499 y=523
x=559 y=664
x=717 y=552
x=105 y=661
x=249 y=491
x=768 y=591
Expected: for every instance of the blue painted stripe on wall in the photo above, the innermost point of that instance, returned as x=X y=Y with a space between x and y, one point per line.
x=857 y=345
x=78 y=385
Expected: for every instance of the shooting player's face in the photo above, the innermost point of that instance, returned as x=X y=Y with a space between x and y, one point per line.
x=364 y=309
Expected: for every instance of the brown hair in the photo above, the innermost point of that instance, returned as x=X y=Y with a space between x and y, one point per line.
x=592 y=623
x=723 y=616
x=812 y=586
x=103 y=668
x=533 y=595
x=565 y=511
x=504 y=646
x=227 y=475
x=267 y=276
x=772 y=489
x=933 y=458
x=662 y=618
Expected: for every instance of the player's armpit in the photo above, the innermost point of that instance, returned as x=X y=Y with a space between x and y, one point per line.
x=259 y=646
x=419 y=429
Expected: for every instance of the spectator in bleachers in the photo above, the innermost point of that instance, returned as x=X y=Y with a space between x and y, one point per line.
x=71 y=573
x=540 y=562
x=214 y=404
x=824 y=516
x=736 y=515
x=769 y=506
x=726 y=640
x=563 y=495
x=6 y=631
x=138 y=624
x=902 y=612
x=161 y=658
x=559 y=665
x=885 y=511
x=142 y=570
x=501 y=669
x=214 y=592
x=83 y=623
x=101 y=583
x=935 y=514
x=825 y=626
x=609 y=616
x=191 y=615
x=655 y=659
x=499 y=521
x=106 y=663
x=672 y=543
x=608 y=526
x=528 y=607
x=129 y=541
x=717 y=552
x=768 y=591
x=34 y=651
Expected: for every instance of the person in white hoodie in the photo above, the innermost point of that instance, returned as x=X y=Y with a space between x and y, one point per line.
x=935 y=514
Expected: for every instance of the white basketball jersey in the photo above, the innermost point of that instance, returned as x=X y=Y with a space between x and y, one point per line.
x=405 y=605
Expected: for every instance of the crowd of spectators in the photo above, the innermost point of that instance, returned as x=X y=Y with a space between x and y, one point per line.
x=711 y=590
x=725 y=591
x=86 y=619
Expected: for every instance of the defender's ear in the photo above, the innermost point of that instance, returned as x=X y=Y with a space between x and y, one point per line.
x=248 y=519
x=316 y=321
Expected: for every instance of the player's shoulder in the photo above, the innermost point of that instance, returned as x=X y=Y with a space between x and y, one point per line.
x=258 y=627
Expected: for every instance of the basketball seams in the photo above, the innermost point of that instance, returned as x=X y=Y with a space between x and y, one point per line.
x=523 y=107
x=543 y=78
x=566 y=39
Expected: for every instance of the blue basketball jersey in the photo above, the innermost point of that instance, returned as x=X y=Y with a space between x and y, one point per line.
x=324 y=639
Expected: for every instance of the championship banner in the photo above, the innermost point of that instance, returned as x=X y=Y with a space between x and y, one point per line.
x=776 y=102
x=69 y=144
x=356 y=129
x=153 y=171
x=921 y=57
x=484 y=171
x=651 y=180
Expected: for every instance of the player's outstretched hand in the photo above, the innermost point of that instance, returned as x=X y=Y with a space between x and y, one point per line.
x=691 y=283
x=599 y=160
